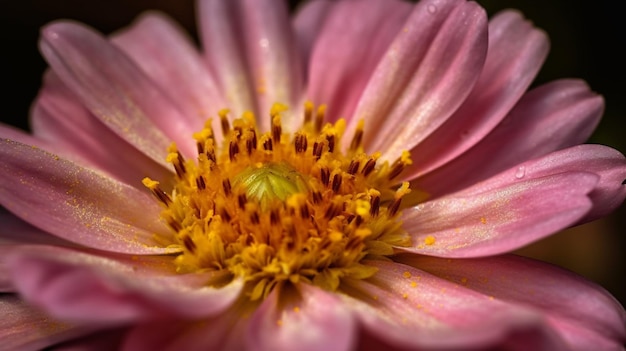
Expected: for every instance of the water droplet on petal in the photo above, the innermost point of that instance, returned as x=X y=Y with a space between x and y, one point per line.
x=432 y=8
x=521 y=172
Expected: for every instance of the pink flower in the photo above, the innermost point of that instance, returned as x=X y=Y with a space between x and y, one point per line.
x=264 y=229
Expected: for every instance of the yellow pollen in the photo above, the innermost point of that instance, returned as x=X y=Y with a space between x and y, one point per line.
x=429 y=240
x=275 y=208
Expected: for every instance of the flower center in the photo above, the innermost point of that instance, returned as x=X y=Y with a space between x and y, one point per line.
x=267 y=182
x=275 y=209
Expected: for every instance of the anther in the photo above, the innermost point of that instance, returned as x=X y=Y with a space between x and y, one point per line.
x=300 y=143
x=350 y=218
x=336 y=182
x=274 y=217
x=225 y=215
x=233 y=150
x=210 y=154
x=251 y=142
x=254 y=217
x=242 y=200
x=203 y=136
x=249 y=146
x=190 y=245
x=332 y=211
x=369 y=167
x=291 y=211
x=399 y=165
x=317 y=197
x=394 y=207
x=224 y=121
x=200 y=183
x=358 y=221
x=396 y=169
x=353 y=243
x=319 y=117
x=254 y=138
x=330 y=138
x=174 y=224
x=308 y=111
x=318 y=148
x=162 y=196
x=181 y=160
x=238 y=132
x=358 y=136
x=374 y=206
x=177 y=160
x=353 y=167
x=325 y=176
x=226 y=186
x=277 y=129
x=304 y=211
x=268 y=145
x=156 y=190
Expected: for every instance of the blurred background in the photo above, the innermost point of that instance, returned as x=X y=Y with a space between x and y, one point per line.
x=587 y=42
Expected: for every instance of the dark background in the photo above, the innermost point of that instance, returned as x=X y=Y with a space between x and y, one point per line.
x=587 y=42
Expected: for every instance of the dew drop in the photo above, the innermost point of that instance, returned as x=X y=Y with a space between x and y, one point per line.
x=432 y=8
x=521 y=172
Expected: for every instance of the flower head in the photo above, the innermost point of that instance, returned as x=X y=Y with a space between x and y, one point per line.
x=329 y=181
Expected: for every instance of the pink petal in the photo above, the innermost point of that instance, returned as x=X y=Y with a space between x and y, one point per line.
x=224 y=53
x=158 y=336
x=516 y=52
x=552 y=117
x=89 y=288
x=335 y=78
x=69 y=129
x=15 y=232
x=424 y=76
x=409 y=308
x=584 y=314
x=10 y=132
x=78 y=204
x=610 y=165
x=114 y=89
x=307 y=24
x=318 y=321
x=607 y=163
x=102 y=341
x=6 y=285
x=24 y=328
x=272 y=56
x=223 y=332
x=249 y=44
x=165 y=54
x=499 y=215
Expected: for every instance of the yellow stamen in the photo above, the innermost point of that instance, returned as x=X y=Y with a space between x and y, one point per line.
x=274 y=208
